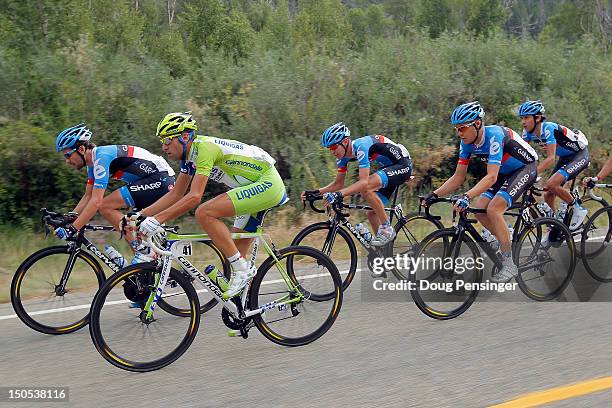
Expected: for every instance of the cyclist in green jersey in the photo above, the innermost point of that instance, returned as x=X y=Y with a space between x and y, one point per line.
x=248 y=170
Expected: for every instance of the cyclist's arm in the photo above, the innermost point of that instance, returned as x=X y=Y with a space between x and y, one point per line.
x=551 y=153
x=84 y=200
x=97 y=195
x=486 y=182
x=171 y=197
x=454 y=182
x=188 y=202
x=359 y=186
x=335 y=185
x=607 y=169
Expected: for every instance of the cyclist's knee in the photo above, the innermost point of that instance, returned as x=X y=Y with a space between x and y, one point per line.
x=205 y=211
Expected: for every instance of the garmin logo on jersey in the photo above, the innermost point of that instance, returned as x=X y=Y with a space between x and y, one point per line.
x=572 y=146
x=147 y=169
x=495 y=147
x=519 y=185
x=395 y=153
x=576 y=166
x=399 y=171
x=253 y=191
x=144 y=187
x=360 y=155
x=525 y=155
x=244 y=164
x=99 y=170
x=233 y=145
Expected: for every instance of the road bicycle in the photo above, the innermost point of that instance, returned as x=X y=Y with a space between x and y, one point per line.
x=596 y=238
x=52 y=289
x=410 y=228
x=278 y=301
x=545 y=270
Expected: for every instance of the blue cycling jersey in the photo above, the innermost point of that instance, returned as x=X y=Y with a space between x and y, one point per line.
x=501 y=146
x=374 y=149
x=568 y=142
x=123 y=162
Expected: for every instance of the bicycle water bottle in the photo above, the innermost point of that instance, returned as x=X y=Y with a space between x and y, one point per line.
x=511 y=229
x=545 y=209
x=364 y=232
x=562 y=210
x=115 y=256
x=217 y=277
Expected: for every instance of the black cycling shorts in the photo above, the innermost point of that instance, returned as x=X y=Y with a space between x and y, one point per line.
x=570 y=166
x=144 y=192
x=510 y=186
x=392 y=177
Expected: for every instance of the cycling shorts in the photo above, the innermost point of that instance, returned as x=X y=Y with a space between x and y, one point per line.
x=144 y=192
x=510 y=186
x=570 y=166
x=392 y=177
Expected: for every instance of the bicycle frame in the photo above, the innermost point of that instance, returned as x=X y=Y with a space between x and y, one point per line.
x=178 y=246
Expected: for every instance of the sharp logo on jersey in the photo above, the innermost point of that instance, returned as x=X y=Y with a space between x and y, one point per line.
x=495 y=148
x=234 y=145
x=360 y=155
x=99 y=170
x=143 y=187
x=147 y=169
x=253 y=191
x=519 y=185
x=576 y=166
x=399 y=171
x=244 y=164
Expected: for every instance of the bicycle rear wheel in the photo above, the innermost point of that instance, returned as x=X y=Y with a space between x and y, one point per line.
x=441 y=289
x=291 y=317
x=125 y=337
x=595 y=245
x=545 y=262
x=39 y=299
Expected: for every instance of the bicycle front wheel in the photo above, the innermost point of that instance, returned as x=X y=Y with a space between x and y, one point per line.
x=545 y=255
x=46 y=304
x=411 y=230
x=595 y=245
x=129 y=340
x=447 y=277
x=290 y=316
x=339 y=246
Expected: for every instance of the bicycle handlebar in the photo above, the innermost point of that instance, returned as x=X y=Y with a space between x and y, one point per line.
x=311 y=196
x=148 y=241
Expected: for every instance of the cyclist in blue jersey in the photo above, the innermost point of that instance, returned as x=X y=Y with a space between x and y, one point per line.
x=603 y=173
x=148 y=177
x=569 y=145
x=511 y=168
x=395 y=169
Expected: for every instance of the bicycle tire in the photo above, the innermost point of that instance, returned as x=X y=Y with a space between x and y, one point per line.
x=562 y=234
x=16 y=289
x=121 y=361
x=290 y=252
x=587 y=259
x=346 y=236
x=448 y=238
x=402 y=227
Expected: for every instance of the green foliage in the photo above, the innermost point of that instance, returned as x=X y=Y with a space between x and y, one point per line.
x=276 y=75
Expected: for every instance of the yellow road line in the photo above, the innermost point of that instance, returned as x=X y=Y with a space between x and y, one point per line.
x=557 y=394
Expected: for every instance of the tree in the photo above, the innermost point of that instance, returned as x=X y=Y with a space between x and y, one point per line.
x=484 y=16
x=435 y=15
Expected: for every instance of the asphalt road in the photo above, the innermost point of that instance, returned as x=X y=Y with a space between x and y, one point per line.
x=384 y=354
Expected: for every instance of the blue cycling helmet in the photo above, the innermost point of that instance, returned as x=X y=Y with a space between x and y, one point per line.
x=334 y=134
x=468 y=112
x=69 y=137
x=531 y=108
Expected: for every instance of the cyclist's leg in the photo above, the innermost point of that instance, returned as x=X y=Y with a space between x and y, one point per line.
x=377 y=215
x=484 y=200
x=246 y=223
x=208 y=215
x=554 y=185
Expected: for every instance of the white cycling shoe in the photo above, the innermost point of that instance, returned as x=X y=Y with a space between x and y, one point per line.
x=508 y=271
x=578 y=217
x=238 y=281
x=384 y=235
